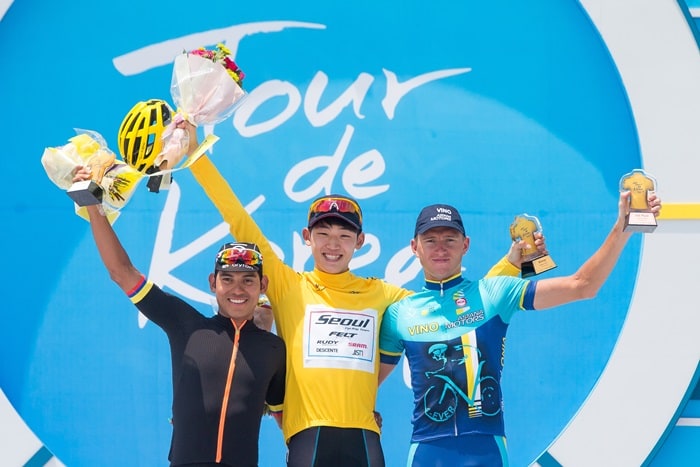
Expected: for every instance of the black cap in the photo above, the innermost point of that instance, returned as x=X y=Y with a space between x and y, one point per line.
x=438 y=215
x=239 y=256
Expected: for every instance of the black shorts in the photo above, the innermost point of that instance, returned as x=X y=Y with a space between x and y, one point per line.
x=327 y=446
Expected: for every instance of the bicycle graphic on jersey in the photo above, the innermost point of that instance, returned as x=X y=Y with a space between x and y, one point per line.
x=440 y=400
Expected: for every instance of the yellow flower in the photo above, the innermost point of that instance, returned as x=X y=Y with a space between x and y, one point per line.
x=224 y=50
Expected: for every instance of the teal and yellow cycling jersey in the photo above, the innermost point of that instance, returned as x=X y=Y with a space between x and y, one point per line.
x=453 y=335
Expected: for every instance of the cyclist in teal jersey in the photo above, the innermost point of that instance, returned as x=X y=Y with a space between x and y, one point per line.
x=453 y=333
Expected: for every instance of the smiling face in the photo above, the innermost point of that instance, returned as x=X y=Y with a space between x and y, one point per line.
x=440 y=251
x=332 y=245
x=237 y=293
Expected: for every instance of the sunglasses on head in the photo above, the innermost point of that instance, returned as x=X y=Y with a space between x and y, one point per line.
x=324 y=205
x=237 y=255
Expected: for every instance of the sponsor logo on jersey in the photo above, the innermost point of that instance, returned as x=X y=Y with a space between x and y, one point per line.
x=466 y=320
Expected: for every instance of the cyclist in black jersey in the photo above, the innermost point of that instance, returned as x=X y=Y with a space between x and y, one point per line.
x=224 y=368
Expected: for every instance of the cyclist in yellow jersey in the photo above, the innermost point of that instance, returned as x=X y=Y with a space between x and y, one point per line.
x=329 y=319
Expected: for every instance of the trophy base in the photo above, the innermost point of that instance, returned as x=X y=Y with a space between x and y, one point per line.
x=644 y=222
x=159 y=182
x=85 y=193
x=537 y=266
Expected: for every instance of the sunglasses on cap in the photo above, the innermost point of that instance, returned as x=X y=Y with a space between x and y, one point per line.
x=238 y=255
x=335 y=204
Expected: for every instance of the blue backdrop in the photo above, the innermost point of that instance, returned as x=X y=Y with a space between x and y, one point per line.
x=497 y=110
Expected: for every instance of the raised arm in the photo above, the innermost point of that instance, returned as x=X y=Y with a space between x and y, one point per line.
x=108 y=245
x=587 y=281
x=217 y=189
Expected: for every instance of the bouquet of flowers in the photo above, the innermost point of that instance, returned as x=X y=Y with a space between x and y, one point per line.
x=206 y=88
x=206 y=85
x=115 y=179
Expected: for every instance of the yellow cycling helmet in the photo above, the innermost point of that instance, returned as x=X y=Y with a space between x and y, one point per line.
x=140 y=134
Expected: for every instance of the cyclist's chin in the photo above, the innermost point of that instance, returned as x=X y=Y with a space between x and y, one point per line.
x=333 y=267
x=440 y=274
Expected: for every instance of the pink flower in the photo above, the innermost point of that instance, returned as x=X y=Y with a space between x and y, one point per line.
x=221 y=55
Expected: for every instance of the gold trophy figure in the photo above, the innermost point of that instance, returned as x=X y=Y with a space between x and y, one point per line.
x=640 y=184
x=89 y=192
x=524 y=228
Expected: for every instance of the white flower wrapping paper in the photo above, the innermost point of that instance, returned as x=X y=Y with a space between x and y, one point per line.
x=118 y=181
x=205 y=94
x=203 y=91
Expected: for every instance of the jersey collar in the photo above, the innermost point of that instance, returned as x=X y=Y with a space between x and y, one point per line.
x=444 y=284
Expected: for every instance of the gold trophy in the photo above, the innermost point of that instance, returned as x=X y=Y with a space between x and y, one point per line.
x=524 y=228
x=89 y=192
x=640 y=184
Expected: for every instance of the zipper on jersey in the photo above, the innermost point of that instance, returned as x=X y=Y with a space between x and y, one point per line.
x=227 y=391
